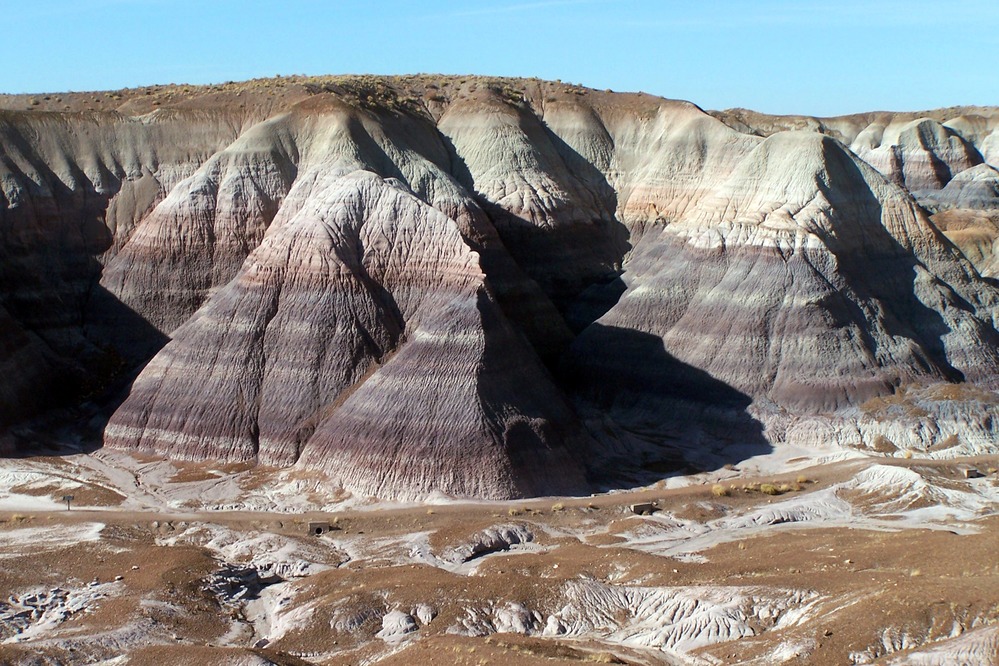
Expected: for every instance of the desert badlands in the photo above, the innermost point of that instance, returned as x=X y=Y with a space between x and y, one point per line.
x=470 y=370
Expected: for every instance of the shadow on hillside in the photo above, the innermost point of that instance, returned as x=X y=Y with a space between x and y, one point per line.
x=652 y=415
x=86 y=345
x=882 y=271
x=572 y=246
x=83 y=393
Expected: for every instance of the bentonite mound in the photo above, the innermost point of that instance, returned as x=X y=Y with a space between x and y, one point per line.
x=805 y=279
x=487 y=287
x=968 y=213
x=976 y=188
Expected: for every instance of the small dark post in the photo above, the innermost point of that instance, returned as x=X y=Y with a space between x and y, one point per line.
x=67 y=499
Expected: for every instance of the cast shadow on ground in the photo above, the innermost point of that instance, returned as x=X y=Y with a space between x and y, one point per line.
x=651 y=414
x=82 y=394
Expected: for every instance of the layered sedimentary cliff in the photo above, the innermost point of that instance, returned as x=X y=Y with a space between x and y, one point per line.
x=490 y=287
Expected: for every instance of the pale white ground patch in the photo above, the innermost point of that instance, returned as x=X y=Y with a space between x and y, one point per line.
x=915 y=498
x=670 y=620
x=268 y=553
x=879 y=497
x=35 y=614
x=33 y=540
x=978 y=647
x=23 y=475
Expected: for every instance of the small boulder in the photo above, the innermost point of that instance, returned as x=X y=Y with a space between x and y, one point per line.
x=396 y=625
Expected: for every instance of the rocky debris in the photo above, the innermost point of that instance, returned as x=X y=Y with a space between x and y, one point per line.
x=790 y=651
x=671 y=620
x=492 y=540
x=938 y=420
x=886 y=490
x=234 y=585
x=821 y=506
x=675 y=620
x=976 y=647
x=424 y=613
x=506 y=618
x=350 y=620
x=30 y=615
x=514 y=618
x=396 y=625
x=273 y=556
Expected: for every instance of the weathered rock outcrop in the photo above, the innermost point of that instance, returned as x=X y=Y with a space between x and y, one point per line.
x=976 y=232
x=976 y=188
x=921 y=151
x=968 y=213
x=463 y=408
x=356 y=263
x=485 y=287
x=805 y=280
x=921 y=155
x=71 y=187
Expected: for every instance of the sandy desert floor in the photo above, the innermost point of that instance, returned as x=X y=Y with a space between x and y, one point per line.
x=842 y=559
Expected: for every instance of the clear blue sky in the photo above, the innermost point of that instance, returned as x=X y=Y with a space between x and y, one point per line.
x=780 y=56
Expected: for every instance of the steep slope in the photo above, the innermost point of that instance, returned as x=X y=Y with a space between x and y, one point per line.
x=976 y=188
x=27 y=369
x=921 y=151
x=420 y=284
x=946 y=158
x=547 y=205
x=921 y=155
x=197 y=237
x=464 y=408
x=968 y=213
x=354 y=263
x=805 y=281
x=59 y=176
x=976 y=233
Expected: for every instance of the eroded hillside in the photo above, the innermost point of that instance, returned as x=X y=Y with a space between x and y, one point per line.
x=493 y=287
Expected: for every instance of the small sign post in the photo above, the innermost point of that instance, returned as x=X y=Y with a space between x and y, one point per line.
x=67 y=499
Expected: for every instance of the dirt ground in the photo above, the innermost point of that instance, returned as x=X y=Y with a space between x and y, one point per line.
x=824 y=571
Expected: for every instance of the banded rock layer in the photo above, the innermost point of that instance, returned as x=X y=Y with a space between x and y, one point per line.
x=489 y=288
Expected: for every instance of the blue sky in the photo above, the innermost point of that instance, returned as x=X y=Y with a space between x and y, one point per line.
x=778 y=56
